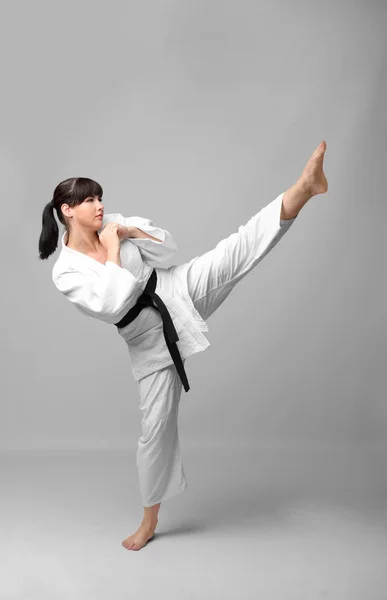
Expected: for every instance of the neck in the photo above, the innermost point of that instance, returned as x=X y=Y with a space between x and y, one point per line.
x=83 y=241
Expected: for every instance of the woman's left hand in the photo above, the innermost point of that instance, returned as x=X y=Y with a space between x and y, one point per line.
x=123 y=231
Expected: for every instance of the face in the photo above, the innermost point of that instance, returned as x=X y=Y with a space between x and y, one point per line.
x=87 y=214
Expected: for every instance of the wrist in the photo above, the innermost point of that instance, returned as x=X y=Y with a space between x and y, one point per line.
x=113 y=254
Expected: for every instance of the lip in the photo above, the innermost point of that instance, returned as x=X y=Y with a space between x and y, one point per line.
x=99 y=216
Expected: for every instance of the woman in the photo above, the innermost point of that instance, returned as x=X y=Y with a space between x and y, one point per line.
x=110 y=268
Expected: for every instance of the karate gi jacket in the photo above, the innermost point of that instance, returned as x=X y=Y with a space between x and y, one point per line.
x=107 y=291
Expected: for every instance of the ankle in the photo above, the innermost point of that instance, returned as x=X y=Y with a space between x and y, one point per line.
x=151 y=523
x=294 y=199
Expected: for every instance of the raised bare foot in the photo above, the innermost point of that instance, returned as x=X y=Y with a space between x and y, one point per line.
x=313 y=177
x=139 y=539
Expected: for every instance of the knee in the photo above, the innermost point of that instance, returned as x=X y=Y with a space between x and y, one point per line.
x=154 y=429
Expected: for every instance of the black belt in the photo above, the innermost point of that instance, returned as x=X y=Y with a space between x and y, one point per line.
x=170 y=333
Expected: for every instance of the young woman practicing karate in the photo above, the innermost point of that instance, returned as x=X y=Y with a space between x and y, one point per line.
x=109 y=267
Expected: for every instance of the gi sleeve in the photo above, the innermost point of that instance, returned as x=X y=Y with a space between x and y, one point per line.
x=107 y=295
x=284 y=222
x=270 y=216
x=155 y=253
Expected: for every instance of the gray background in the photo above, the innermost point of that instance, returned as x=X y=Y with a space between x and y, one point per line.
x=196 y=115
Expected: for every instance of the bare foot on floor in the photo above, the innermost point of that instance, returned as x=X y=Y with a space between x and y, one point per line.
x=139 y=539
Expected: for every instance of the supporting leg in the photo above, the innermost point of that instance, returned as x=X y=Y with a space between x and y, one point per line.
x=159 y=461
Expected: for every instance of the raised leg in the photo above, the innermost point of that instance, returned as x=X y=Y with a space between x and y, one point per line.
x=212 y=276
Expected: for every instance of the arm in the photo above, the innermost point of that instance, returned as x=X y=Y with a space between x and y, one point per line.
x=106 y=295
x=113 y=255
x=135 y=232
x=156 y=245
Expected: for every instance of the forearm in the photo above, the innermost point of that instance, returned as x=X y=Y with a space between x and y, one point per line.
x=113 y=254
x=135 y=232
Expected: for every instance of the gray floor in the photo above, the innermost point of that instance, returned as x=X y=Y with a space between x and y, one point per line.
x=267 y=522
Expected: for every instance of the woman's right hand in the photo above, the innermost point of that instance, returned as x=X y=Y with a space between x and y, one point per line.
x=109 y=236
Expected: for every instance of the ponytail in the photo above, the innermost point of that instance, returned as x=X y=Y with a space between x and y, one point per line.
x=48 y=240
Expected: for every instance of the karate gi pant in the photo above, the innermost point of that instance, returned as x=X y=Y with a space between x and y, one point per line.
x=210 y=279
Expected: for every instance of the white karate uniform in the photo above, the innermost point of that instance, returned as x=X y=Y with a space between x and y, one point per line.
x=191 y=292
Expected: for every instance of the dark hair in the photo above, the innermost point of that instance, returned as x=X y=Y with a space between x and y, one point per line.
x=72 y=191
